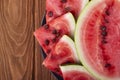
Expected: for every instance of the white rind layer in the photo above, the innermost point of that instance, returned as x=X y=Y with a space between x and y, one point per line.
x=84 y=3
x=78 y=68
x=67 y=68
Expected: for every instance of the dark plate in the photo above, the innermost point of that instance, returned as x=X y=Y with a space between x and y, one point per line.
x=44 y=55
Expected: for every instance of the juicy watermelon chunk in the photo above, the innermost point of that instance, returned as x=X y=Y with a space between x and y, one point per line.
x=75 y=72
x=55 y=8
x=64 y=52
x=49 y=34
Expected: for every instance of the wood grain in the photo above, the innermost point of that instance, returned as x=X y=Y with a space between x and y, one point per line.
x=20 y=57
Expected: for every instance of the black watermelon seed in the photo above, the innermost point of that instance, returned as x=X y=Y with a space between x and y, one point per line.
x=54 y=31
x=103 y=28
x=107 y=12
x=107 y=65
x=104 y=33
x=63 y=1
x=50 y=13
x=47 y=42
x=58 y=34
x=46 y=26
x=67 y=9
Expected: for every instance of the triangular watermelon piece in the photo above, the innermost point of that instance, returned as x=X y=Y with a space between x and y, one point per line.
x=49 y=34
x=76 y=72
x=64 y=52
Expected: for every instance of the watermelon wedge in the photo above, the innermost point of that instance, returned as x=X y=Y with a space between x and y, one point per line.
x=56 y=8
x=75 y=72
x=49 y=34
x=64 y=53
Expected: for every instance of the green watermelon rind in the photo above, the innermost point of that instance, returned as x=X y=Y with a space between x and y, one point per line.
x=81 y=20
x=71 y=44
x=66 y=68
x=74 y=67
x=84 y=3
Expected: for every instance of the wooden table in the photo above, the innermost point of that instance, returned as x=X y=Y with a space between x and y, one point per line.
x=20 y=57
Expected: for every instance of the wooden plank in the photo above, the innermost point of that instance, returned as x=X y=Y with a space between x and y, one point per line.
x=42 y=73
x=16 y=39
x=20 y=57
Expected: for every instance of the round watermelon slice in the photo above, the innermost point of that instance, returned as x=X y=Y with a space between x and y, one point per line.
x=75 y=72
x=97 y=38
x=55 y=8
x=49 y=34
x=64 y=53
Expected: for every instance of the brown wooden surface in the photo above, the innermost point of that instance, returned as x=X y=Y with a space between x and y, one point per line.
x=20 y=57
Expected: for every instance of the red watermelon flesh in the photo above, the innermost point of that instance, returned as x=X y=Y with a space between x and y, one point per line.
x=49 y=34
x=76 y=72
x=55 y=8
x=98 y=38
x=64 y=53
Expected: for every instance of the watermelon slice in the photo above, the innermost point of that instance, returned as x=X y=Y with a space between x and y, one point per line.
x=76 y=72
x=97 y=38
x=55 y=8
x=49 y=34
x=64 y=53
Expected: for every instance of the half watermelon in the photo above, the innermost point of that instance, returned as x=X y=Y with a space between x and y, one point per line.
x=97 y=38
